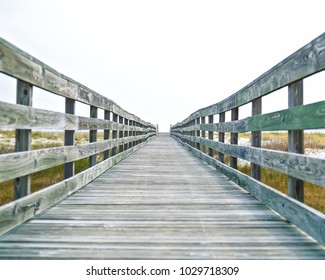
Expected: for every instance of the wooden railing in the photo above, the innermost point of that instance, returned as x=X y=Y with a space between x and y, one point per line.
x=123 y=134
x=197 y=133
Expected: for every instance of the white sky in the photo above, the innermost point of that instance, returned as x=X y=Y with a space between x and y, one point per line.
x=161 y=60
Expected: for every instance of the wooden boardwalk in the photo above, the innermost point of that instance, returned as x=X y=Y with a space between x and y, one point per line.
x=159 y=203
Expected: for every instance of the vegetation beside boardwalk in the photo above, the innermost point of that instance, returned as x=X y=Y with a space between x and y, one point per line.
x=45 y=178
x=314 y=195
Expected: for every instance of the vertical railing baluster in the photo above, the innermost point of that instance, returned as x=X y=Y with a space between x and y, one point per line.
x=114 y=133
x=69 y=138
x=211 y=135
x=107 y=116
x=198 y=133
x=295 y=139
x=131 y=133
x=93 y=135
x=192 y=123
x=203 y=133
x=120 y=134
x=234 y=137
x=126 y=133
x=222 y=118
x=22 y=185
x=256 y=139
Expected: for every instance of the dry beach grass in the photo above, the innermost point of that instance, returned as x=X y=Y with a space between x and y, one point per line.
x=314 y=145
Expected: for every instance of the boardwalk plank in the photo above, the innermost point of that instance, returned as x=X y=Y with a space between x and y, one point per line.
x=159 y=203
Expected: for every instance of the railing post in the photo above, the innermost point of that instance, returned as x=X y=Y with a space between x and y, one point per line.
x=256 y=138
x=295 y=139
x=131 y=132
x=114 y=133
x=234 y=137
x=93 y=135
x=198 y=132
x=211 y=135
x=120 y=134
x=135 y=132
x=136 y=124
x=126 y=133
x=69 y=138
x=203 y=148
x=23 y=137
x=107 y=116
x=222 y=118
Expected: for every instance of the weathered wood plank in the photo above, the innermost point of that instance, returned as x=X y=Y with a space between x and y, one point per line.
x=23 y=138
x=93 y=135
x=69 y=138
x=296 y=139
x=107 y=116
x=307 y=61
x=23 y=163
x=156 y=250
x=23 y=66
x=306 y=218
x=201 y=215
x=210 y=135
x=234 y=137
x=306 y=168
x=311 y=116
x=23 y=117
x=18 y=211
x=256 y=139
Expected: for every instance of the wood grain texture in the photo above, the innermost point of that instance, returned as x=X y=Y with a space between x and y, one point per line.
x=23 y=138
x=69 y=138
x=311 y=116
x=159 y=203
x=16 y=212
x=256 y=139
x=22 y=117
x=19 y=64
x=296 y=139
x=307 y=61
x=23 y=163
x=307 y=168
x=306 y=218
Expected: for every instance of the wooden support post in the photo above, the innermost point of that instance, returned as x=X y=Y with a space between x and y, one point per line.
x=222 y=118
x=203 y=148
x=135 y=132
x=198 y=133
x=126 y=133
x=131 y=133
x=234 y=137
x=93 y=135
x=107 y=116
x=256 y=138
x=23 y=138
x=69 y=138
x=211 y=135
x=120 y=134
x=114 y=134
x=296 y=139
x=192 y=133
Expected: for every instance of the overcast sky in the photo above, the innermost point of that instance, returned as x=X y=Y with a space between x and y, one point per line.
x=161 y=60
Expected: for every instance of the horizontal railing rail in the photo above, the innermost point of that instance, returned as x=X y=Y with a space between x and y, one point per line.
x=123 y=133
x=206 y=137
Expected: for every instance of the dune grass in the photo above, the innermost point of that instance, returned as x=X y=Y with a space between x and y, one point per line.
x=314 y=195
x=44 y=178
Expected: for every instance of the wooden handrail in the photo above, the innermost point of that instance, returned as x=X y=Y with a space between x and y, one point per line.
x=128 y=131
x=300 y=168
